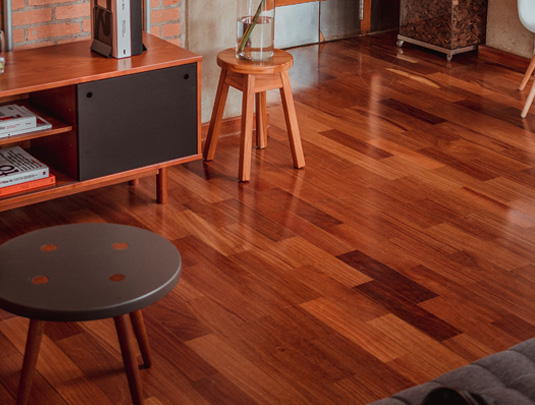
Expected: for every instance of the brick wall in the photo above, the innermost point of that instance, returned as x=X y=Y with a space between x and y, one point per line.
x=46 y=22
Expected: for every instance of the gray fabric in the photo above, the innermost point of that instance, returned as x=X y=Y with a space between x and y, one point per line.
x=506 y=378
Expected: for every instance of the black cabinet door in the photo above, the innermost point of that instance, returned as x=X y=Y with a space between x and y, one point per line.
x=136 y=120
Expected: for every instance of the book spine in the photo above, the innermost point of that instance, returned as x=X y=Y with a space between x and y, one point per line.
x=28 y=186
x=41 y=124
x=23 y=177
x=18 y=166
x=14 y=124
x=121 y=28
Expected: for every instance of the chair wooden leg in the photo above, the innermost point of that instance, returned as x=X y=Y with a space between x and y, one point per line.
x=246 y=141
x=141 y=335
x=291 y=121
x=33 y=343
x=122 y=325
x=217 y=115
x=529 y=101
x=261 y=120
x=528 y=74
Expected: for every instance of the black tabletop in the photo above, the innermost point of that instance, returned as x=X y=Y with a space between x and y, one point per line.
x=85 y=271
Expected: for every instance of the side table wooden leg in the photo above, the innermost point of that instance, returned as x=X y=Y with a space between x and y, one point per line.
x=246 y=142
x=122 y=325
x=217 y=115
x=261 y=120
x=291 y=121
x=161 y=186
x=33 y=343
x=141 y=335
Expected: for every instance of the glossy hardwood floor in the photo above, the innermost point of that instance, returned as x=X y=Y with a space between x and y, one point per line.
x=404 y=249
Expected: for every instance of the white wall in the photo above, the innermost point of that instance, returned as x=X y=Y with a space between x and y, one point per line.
x=505 y=31
x=210 y=28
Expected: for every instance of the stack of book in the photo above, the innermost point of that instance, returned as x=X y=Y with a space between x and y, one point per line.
x=20 y=171
x=16 y=120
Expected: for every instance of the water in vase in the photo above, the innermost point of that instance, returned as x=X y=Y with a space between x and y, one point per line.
x=257 y=45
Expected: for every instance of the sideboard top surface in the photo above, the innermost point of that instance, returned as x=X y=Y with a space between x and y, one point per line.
x=72 y=63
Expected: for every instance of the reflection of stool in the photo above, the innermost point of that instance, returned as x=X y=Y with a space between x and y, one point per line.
x=85 y=272
x=254 y=79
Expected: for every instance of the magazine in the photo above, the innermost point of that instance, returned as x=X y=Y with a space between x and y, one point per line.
x=18 y=166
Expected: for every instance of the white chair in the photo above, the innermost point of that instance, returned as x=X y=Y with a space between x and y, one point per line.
x=526 y=12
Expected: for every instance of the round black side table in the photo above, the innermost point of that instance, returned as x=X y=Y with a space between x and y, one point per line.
x=84 y=272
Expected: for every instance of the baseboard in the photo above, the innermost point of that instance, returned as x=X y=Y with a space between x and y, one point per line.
x=229 y=126
x=503 y=58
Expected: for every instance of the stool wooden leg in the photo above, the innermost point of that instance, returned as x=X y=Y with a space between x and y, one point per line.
x=33 y=343
x=141 y=335
x=246 y=142
x=261 y=120
x=122 y=325
x=217 y=115
x=291 y=121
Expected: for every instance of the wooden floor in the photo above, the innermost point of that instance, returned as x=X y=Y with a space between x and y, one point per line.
x=404 y=249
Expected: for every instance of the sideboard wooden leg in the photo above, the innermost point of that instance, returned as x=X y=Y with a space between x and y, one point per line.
x=161 y=186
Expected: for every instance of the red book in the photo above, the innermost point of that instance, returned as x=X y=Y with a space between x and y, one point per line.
x=28 y=185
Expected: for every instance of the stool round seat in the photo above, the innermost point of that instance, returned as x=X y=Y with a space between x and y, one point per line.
x=280 y=62
x=86 y=271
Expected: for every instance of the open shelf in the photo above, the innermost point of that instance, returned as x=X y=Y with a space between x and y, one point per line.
x=58 y=127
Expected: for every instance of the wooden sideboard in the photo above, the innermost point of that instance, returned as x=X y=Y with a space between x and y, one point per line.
x=113 y=120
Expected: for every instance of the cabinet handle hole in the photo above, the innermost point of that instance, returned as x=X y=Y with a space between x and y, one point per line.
x=89 y=94
x=186 y=76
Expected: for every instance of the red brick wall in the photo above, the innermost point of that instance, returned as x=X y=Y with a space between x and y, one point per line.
x=46 y=22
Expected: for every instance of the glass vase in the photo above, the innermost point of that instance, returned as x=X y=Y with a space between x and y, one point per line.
x=255 y=30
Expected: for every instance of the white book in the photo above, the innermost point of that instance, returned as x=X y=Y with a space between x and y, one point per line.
x=18 y=166
x=42 y=124
x=122 y=42
x=11 y=119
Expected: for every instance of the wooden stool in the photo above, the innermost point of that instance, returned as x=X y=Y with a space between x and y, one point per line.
x=254 y=79
x=84 y=272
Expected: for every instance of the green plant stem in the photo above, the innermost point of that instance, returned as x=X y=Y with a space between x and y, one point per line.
x=247 y=33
